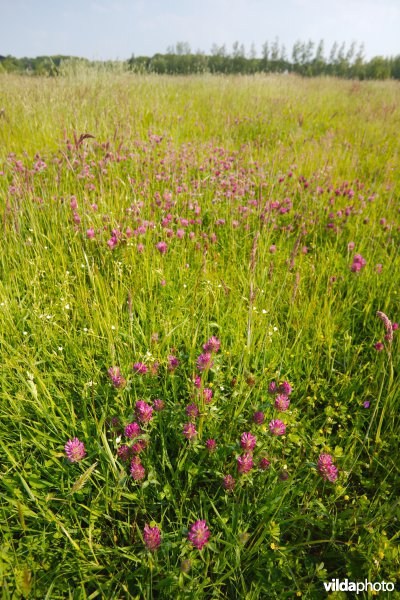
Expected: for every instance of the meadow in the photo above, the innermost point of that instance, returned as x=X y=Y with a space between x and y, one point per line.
x=198 y=397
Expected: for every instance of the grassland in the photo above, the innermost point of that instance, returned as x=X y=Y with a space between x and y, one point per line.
x=276 y=204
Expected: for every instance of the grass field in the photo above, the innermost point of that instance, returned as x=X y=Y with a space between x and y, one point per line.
x=259 y=213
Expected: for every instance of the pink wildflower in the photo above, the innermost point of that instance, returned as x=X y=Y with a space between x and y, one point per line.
x=144 y=411
x=199 y=534
x=204 y=361
x=192 y=411
x=132 y=430
x=173 y=362
x=282 y=402
x=228 y=482
x=264 y=464
x=258 y=417
x=211 y=445
x=248 y=441
x=245 y=462
x=159 y=404
x=213 y=345
x=139 y=368
x=116 y=378
x=162 y=247
x=75 y=450
x=152 y=537
x=326 y=468
x=189 y=431
x=277 y=427
x=137 y=469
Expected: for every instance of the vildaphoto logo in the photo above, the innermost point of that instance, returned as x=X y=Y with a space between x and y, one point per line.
x=358 y=586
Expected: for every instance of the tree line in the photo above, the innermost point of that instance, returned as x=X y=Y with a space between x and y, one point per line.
x=305 y=58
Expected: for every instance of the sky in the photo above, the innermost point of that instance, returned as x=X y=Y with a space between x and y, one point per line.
x=116 y=29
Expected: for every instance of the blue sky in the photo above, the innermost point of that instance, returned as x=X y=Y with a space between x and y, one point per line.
x=111 y=29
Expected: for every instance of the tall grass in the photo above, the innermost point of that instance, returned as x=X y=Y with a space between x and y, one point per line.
x=71 y=307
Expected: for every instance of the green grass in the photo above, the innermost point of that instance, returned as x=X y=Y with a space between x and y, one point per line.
x=71 y=307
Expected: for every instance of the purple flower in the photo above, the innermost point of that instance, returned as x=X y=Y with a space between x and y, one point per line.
x=162 y=247
x=272 y=388
x=264 y=464
x=366 y=404
x=245 y=462
x=144 y=411
x=207 y=395
x=213 y=345
x=138 y=446
x=152 y=537
x=132 y=430
x=140 y=368
x=204 y=361
x=248 y=441
x=199 y=534
x=137 y=469
x=388 y=326
x=228 y=482
x=211 y=445
x=277 y=427
x=258 y=417
x=197 y=381
x=173 y=362
x=379 y=346
x=192 y=411
x=116 y=378
x=189 y=431
x=75 y=450
x=285 y=388
x=124 y=452
x=326 y=468
x=395 y=326
x=159 y=405
x=282 y=402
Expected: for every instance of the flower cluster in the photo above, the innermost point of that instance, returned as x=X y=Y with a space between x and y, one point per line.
x=326 y=468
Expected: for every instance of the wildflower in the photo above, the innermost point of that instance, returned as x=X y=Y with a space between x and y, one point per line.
x=199 y=534
x=162 y=247
x=112 y=242
x=159 y=405
x=248 y=441
x=264 y=464
x=228 y=482
x=173 y=362
x=204 y=361
x=137 y=469
x=207 y=395
x=139 y=368
x=282 y=402
x=211 y=445
x=272 y=388
x=285 y=388
x=395 y=326
x=326 y=468
x=132 y=430
x=189 y=431
x=144 y=411
x=75 y=450
x=272 y=249
x=351 y=246
x=258 y=417
x=378 y=268
x=152 y=537
x=124 y=452
x=283 y=475
x=192 y=411
x=366 y=404
x=197 y=381
x=277 y=427
x=245 y=462
x=90 y=233
x=379 y=346
x=138 y=446
x=213 y=345
x=388 y=326
x=116 y=378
